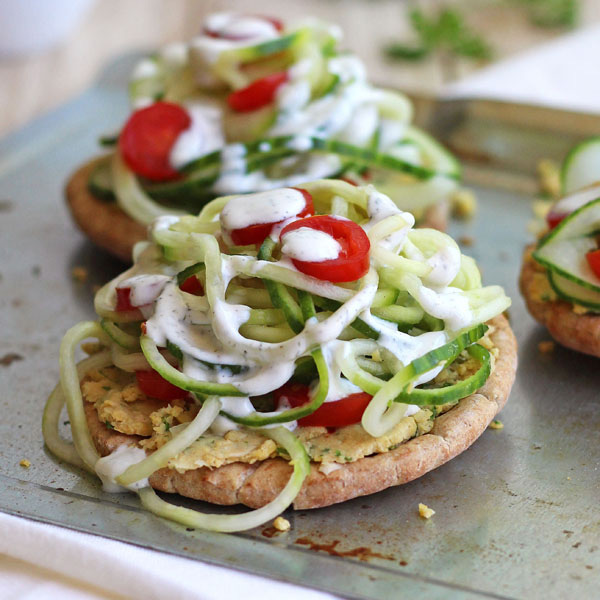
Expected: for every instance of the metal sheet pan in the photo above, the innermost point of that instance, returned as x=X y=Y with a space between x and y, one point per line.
x=517 y=515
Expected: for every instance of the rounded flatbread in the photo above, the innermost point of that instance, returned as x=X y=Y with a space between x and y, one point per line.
x=257 y=484
x=101 y=220
x=579 y=332
x=112 y=229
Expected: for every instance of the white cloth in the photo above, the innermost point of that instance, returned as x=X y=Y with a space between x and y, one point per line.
x=563 y=73
x=49 y=562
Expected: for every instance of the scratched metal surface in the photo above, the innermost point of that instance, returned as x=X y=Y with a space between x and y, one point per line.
x=517 y=514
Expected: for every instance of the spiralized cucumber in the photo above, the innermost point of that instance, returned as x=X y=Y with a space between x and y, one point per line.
x=230 y=523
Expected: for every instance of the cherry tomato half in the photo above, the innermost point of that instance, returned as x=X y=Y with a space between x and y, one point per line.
x=156 y=386
x=256 y=234
x=258 y=94
x=148 y=137
x=346 y=411
x=593 y=259
x=353 y=260
x=124 y=299
x=553 y=219
x=192 y=285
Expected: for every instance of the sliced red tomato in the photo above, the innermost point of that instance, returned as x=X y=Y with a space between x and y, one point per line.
x=258 y=94
x=225 y=35
x=553 y=219
x=124 y=299
x=256 y=234
x=148 y=137
x=353 y=260
x=192 y=285
x=156 y=386
x=593 y=259
x=346 y=411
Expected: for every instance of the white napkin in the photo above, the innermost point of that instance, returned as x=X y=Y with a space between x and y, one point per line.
x=563 y=73
x=44 y=561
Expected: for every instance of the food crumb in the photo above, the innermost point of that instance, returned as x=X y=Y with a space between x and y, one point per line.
x=580 y=310
x=79 y=274
x=496 y=424
x=464 y=204
x=281 y=524
x=25 y=463
x=466 y=240
x=425 y=512
x=546 y=347
x=549 y=177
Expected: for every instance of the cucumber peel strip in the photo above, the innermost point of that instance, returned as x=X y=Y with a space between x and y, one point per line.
x=382 y=414
x=231 y=523
x=158 y=362
x=452 y=393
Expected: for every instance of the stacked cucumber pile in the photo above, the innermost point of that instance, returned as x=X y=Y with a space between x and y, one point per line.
x=569 y=251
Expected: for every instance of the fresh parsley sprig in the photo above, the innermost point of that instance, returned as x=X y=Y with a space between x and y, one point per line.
x=447 y=30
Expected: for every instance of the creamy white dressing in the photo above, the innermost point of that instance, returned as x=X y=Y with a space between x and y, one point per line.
x=308 y=244
x=204 y=135
x=262 y=207
x=110 y=467
x=234 y=179
x=241 y=31
x=240 y=26
x=145 y=289
x=145 y=69
x=445 y=265
x=449 y=304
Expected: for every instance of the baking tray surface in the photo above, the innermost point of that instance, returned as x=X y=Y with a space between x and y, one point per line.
x=517 y=515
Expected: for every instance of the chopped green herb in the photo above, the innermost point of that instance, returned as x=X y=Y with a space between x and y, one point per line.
x=109 y=424
x=106 y=388
x=166 y=423
x=446 y=31
x=66 y=422
x=338 y=452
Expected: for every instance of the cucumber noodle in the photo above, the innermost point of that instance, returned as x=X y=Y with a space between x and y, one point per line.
x=260 y=319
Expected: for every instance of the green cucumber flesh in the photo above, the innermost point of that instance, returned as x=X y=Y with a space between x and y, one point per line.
x=581 y=166
x=574 y=293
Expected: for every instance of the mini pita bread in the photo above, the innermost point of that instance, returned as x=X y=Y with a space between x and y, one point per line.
x=257 y=484
x=579 y=332
x=112 y=229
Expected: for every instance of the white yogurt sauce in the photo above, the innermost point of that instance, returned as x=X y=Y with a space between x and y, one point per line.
x=145 y=69
x=310 y=245
x=144 y=288
x=445 y=265
x=110 y=467
x=204 y=135
x=242 y=30
x=263 y=207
